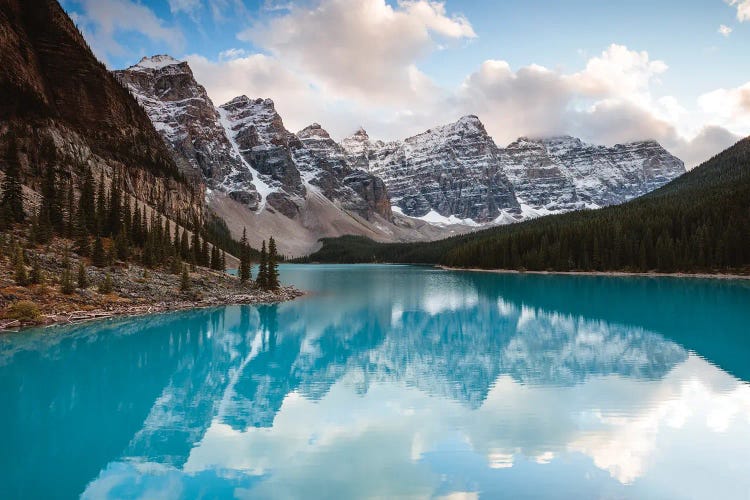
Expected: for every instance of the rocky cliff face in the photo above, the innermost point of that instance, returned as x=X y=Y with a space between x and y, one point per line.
x=452 y=174
x=453 y=170
x=243 y=149
x=563 y=173
x=53 y=91
x=457 y=172
x=326 y=166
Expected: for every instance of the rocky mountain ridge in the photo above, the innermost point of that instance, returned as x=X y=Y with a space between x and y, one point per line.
x=456 y=172
x=452 y=177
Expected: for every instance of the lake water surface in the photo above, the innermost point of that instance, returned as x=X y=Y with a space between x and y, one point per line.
x=393 y=381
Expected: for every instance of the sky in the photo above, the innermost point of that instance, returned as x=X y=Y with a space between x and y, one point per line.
x=676 y=71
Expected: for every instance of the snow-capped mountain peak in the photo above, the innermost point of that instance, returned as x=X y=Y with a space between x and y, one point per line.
x=156 y=62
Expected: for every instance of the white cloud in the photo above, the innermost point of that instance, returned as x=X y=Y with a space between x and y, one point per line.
x=102 y=20
x=725 y=30
x=186 y=6
x=743 y=8
x=730 y=106
x=362 y=48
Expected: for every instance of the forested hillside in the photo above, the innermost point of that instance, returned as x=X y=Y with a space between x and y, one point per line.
x=700 y=222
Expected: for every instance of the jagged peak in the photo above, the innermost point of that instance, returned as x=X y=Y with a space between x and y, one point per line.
x=244 y=100
x=313 y=130
x=158 y=61
x=470 y=119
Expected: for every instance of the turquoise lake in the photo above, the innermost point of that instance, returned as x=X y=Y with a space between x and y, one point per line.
x=393 y=382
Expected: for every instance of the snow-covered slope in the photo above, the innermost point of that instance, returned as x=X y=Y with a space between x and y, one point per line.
x=453 y=177
x=453 y=170
x=456 y=173
x=563 y=173
x=187 y=120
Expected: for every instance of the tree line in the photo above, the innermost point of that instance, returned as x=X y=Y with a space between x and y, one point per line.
x=700 y=222
x=106 y=224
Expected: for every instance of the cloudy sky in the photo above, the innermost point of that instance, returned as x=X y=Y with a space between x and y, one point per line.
x=676 y=71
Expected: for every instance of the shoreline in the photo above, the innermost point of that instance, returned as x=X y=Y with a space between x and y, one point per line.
x=614 y=274
x=133 y=310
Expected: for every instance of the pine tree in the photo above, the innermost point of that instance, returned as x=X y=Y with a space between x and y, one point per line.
x=82 y=244
x=185 y=280
x=83 y=281
x=86 y=204
x=106 y=286
x=66 y=279
x=175 y=265
x=101 y=207
x=122 y=246
x=115 y=208
x=70 y=211
x=184 y=246
x=244 y=270
x=223 y=261
x=205 y=256
x=21 y=276
x=36 y=278
x=273 y=265
x=51 y=199
x=41 y=227
x=98 y=257
x=11 y=203
x=262 y=279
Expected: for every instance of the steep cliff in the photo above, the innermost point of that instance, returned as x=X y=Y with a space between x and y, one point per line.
x=57 y=94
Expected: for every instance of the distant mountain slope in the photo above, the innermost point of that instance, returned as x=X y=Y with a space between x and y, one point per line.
x=698 y=222
x=66 y=111
x=457 y=171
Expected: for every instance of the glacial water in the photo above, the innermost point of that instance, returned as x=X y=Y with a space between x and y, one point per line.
x=393 y=382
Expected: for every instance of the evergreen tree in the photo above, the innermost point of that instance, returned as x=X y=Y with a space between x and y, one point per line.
x=41 y=227
x=36 y=278
x=11 y=202
x=175 y=265
x=98 y=257
x=184 y=246
x=223 y=261
x=122 y=246
x=51 y=203
x=66 y=279
x=70 y=211
x=273 y=265
x=21 y=276
x=83 y=281
x=262 y=279
x=244 y=269
x=106 y=286
x=185 y=280
x=101 y=207
x=115 y=208
x=205 y=256
x=82 y=244
x=86 y=203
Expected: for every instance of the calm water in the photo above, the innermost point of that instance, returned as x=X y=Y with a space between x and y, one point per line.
x=393 y=382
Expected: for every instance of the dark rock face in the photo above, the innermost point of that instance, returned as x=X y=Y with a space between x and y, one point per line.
x=325 y=164
x=453 y=170
x=457 y=171
x=263 y=141
x=183 y=114
x=53 y=89
x=190 y=125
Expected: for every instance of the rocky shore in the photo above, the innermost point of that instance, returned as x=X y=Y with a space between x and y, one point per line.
x=135 y=291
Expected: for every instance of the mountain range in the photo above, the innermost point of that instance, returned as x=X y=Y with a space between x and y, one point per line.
x=303 y=186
